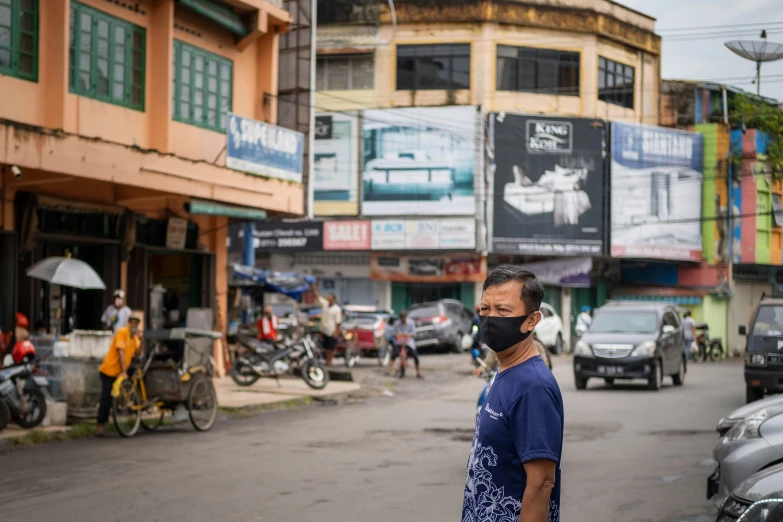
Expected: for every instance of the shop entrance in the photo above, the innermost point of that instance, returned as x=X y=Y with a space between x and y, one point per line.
x=167 y=283
x=407 y=294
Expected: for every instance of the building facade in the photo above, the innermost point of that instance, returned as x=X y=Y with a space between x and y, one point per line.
x=114 y=149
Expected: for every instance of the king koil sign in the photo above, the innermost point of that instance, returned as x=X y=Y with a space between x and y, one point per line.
x=546 y=137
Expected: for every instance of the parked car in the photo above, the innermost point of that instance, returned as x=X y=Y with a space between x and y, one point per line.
x=764 y=485
x=740 y=414
x=763 y=358
x=632 y=340
x=441 y=323
x=550 y=329
x=749 y=447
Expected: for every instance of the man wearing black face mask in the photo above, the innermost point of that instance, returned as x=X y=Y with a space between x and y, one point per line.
x=514 y=466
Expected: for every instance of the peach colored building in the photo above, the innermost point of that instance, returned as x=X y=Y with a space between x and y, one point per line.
x=112 y=122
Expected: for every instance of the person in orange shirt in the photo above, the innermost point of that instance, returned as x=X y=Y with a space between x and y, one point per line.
x=123 y=347
x=267 y=325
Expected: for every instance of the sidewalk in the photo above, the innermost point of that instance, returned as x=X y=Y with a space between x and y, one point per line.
x=15 y=431
x=266 y=391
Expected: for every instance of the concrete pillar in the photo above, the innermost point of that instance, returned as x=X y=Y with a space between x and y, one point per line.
x=160 y=56
x=53 y=61
x=220 y=248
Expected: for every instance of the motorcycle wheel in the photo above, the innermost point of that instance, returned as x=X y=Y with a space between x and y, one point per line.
x=36 y=409
x=242 y=375
x=315 y=375
x=202 y=403
x=716 y=352
x=5 y=415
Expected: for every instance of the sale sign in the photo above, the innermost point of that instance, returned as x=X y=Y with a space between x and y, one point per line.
x=346 y=235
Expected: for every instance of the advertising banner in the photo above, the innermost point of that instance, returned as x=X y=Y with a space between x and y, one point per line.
x=262 y=148
x=656 y=192
x=424 y=234
x=548 y=184
x=336 y=164
x=419 y=161
x=346 y=235
x=428 y=269
x=305 y=236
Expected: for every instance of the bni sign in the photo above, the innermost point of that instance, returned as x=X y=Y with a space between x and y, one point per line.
x=261 y=148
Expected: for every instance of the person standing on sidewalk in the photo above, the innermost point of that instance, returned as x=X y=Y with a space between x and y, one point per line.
x=514 y=466
x=689 y=332
x=331 y=319
x=123 y=347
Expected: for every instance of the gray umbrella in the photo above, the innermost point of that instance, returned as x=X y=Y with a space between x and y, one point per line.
x=66 y=271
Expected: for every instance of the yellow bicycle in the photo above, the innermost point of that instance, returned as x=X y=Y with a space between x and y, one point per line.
x=156 y=388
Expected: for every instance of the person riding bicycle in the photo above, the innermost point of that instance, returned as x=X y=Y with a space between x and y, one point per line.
x=123 y=347
x=403 y=331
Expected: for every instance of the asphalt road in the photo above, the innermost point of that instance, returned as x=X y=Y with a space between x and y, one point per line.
x=630 y=455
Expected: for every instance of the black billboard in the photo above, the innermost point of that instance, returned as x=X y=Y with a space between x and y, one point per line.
x=547 y=195
x=303 y=236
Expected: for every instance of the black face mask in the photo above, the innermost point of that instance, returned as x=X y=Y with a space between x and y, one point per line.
x=501 y=333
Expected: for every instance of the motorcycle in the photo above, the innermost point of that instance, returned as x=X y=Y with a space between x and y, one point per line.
x=21 y=394
x=263 y=359
x=709 y=348
x=488 y=375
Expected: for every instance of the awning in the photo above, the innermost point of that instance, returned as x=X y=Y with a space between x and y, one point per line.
x=682 y=300
x=219 y=14
x=204 y=207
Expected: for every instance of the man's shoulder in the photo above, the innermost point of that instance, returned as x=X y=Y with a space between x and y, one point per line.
x=531 y=376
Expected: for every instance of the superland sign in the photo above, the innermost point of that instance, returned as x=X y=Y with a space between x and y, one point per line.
x=261 y=148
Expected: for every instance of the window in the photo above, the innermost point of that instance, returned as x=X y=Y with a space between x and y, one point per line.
x=671 y=319
x=203 y=84
x=777 y=210
x=433 y=67
x=540 y=71
x=19 y=38
x=615 y=83
x=107 y=57
x=341 y=73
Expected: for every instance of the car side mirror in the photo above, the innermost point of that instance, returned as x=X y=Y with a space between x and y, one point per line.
x=743 y=330
x=667 y=329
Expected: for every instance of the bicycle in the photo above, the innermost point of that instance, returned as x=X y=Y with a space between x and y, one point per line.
x=136 y=404
x=711 y=349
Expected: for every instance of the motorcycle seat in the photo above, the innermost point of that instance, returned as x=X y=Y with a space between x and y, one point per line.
x=270 y=357
x=715 y=339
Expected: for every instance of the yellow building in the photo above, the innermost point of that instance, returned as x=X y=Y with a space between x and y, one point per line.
x=113 y=123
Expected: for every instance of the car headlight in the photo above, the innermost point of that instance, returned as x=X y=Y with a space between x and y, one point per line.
x=725 y=424
x=734 y=508
x=755 y=359
x=582 y=348
x=645 y=349
x=748 y=428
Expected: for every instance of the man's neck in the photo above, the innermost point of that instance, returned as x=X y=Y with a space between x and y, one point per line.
x=517 y=355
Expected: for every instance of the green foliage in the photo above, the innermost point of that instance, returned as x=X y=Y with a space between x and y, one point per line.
x=754 y=113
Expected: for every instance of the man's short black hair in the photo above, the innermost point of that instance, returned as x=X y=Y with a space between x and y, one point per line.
x=687 y=313
x=532 y=289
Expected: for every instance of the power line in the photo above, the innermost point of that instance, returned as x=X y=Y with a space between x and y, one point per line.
x=717 y=26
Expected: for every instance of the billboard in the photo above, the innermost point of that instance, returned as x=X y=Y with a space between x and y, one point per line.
x=346 y=235
x=424 y=234
x=548 y=184
x=264 y=149
x=303 y=236
x=428 y=269
x=656 y=192
x=419 y=161
x=336 y=164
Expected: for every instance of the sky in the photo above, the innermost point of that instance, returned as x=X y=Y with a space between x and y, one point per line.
x=698 y=58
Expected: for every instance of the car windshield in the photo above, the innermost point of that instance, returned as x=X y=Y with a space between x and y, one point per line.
x=769 y=321
x=624 y=322
x=365 y=319
x=424 y=311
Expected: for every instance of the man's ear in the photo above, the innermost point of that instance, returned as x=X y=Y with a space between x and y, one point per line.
x=534 y=319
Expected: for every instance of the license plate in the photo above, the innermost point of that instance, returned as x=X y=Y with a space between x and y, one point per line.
x=610 y=370
x=40 y=381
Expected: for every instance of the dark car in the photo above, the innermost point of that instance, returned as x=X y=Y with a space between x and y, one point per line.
x=763 y=350
x=632 y=340
x=764 y=485
x=441 y=323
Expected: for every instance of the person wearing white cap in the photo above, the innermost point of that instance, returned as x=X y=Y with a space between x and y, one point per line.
x=116 y=314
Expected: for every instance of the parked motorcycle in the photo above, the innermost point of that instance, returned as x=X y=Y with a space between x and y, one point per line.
x=711 y=349
x=22 y=394
x=263 y=359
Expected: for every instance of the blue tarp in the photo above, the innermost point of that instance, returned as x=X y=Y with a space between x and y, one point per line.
x=290 y=284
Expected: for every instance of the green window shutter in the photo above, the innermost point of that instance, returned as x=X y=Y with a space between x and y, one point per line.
x=19 y=38
x=107 y=58
x=203 y=84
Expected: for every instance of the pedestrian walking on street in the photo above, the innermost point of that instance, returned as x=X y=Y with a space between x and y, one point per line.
x=689 y=332
x=123 y=347
x=514 y=466
x=331 y=319
x=117 y=313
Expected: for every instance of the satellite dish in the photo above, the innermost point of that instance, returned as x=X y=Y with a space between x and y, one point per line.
x=757 y=51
